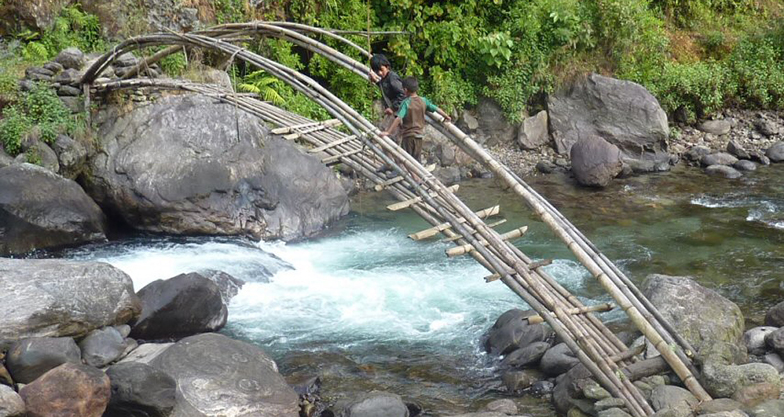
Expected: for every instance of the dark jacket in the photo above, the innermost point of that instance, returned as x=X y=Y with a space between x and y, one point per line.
x=392 y=89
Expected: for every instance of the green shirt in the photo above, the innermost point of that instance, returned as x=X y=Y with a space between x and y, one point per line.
x=404 y=106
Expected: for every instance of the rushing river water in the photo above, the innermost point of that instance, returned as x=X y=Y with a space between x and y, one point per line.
x=366 y=308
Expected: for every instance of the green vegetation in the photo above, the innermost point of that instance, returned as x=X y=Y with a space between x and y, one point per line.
x=39 y=109
x=695 y=56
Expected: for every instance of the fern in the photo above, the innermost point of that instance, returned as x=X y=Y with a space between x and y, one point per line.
x=264 y=85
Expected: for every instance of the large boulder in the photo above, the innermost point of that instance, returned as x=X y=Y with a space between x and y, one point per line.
x=775 y=315
x=30 y=358
x=192 y=165
x=570 y=386
x=11 y=404
x=493 y=128
x=180 y=306
x=595 y=162
x=71 y=154
x=40 y=209
x=622 y=112
x=218 y=376
x=49 y=297
x=68 y=390
x=139 y=389
x=699 y=314
x=680 y=401
x=776 y=152
x=558 y=359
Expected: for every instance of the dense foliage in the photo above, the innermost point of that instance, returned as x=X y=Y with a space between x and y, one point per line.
x=696 y=56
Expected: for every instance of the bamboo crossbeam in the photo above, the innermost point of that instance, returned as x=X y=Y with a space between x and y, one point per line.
x=289 y=129
x=335 y=158
x=332 y=144
x=453 y=238
x=463 y=249
x=482 y=214
x=387 y=183
x=404 y=204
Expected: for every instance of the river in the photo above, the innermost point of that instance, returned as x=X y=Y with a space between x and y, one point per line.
x=366 y=308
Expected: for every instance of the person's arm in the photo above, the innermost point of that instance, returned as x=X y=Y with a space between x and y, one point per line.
x=391 y=127
x=429 y=106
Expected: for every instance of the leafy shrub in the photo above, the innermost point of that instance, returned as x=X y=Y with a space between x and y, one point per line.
x=699 y=88
x=72 y=27
x=264 y=85
x=757 y=66
x=39 y=108
x=496 y=48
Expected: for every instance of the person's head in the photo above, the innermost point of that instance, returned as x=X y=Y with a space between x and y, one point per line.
x=380 y=65
x=410 y=85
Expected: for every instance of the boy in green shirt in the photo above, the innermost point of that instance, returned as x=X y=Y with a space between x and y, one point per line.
x=412 y=117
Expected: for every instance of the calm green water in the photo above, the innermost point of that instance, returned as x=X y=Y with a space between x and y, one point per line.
x=366 y=308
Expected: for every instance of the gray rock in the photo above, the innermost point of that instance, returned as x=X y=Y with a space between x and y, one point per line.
x=504 y=406
x=697 y=152
x=180 y=306
x=723 y=381
x=39 y=209
x=724 y=171
x=376 y=404
x=43 y=155
x=613 y=412
x=448 y=175
x=608 y=403
x=759 y=157
x=74 y=104
x=52 y=297
x=468 y=122
x=240 y=377
x=125 y=60
x=71 y=154
x=677 y=399
x=123 y=329
x=542 y=389
x=30 y=358
x=227 y=284
x=569 y=387
x=446 y=154
x=216 y=76
x=766 y=127
x=595 y=392
x=71 y=58
x=146 y=353
x=699 y=314
x=734 y=148
x=485 y=414
x=775 y=316
x=776 y=152
x=622 y=112
x=558 y=359
x=715 y=127
x=734 y=413
x=744 y=165
x=54 y=67
x=773 y=408
x=11 y=404
x=526 y=356
x=718 y=405
x=595 y=162
x=5 y=160
x=32 y=73
x=644 y=166
x=493 y=126
x=140 y=390
x=205 y=180
x=102 y=347
x=69 y=77
x=516 y=381
x=512 y=331
x=26 y=85
x=533 y=132
x=545 y=167
x=718 y=158
x=754 y=339
x=69 y=91
x=775 y=340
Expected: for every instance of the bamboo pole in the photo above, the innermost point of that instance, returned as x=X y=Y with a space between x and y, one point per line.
x=463 y=249
x=482 y=214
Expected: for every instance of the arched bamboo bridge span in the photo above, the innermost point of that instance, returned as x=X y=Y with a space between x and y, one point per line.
x=603 y=354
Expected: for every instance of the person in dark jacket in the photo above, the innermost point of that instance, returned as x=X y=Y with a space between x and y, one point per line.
x=391 y=89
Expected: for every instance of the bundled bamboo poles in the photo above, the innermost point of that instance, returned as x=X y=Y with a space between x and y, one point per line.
x=594 y=345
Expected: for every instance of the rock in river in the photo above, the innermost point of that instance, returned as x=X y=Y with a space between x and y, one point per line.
x=30 y=358
x=218 y=376
x=192 y=165
x=51 y=297
x=68 y=390
x=40 y=209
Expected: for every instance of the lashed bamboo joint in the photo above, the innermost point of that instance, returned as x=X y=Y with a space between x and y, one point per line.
x=602 y=353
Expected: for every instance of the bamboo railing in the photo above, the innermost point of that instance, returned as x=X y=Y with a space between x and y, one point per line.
x=365 y=151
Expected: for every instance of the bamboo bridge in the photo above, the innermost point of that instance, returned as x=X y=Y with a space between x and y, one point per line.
x=416 y=188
